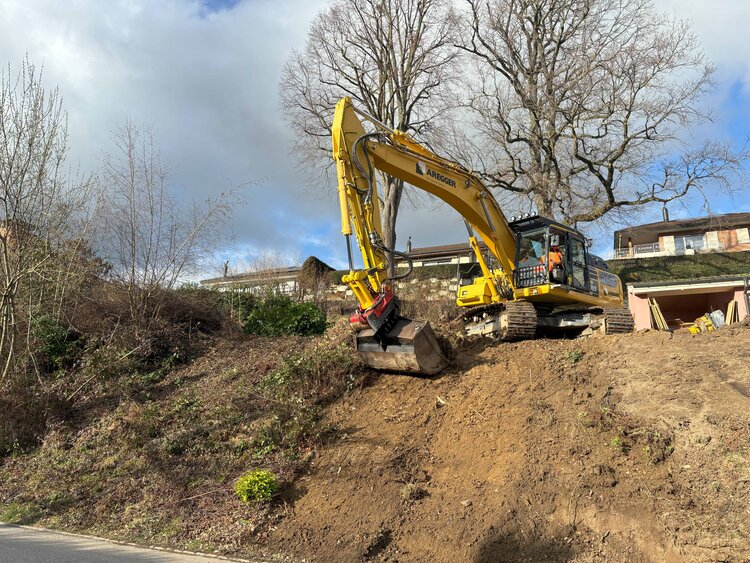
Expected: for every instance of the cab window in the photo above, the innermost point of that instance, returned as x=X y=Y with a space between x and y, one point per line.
x=578 y=259
x=531 y=249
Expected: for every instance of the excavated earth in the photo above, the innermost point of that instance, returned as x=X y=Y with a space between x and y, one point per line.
x=620 y=448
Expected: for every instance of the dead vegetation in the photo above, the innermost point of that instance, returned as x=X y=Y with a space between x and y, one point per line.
x=619 y=449
x=150 y=449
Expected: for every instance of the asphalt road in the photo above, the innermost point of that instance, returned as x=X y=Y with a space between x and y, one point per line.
x=24 y=545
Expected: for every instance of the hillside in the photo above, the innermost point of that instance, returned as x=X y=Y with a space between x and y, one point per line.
x=627 y=448
x=663 y=268
x=630 y=448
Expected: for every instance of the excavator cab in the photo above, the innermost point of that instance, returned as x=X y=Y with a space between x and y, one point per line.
x=549 y=253
x=554 y=265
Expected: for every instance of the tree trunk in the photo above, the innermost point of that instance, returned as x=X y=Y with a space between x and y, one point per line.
x=391 y=200
x=543 y=204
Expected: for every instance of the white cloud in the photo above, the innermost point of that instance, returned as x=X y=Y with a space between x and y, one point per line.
x=208 y=81
x=721 y=26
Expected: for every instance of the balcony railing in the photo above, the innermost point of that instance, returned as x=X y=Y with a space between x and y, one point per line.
x=642 y=250
x=637 y=250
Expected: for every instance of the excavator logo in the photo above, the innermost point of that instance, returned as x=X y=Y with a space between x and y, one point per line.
x=423 y=170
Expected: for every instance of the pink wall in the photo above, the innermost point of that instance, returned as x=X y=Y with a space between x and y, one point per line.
x=638 y=305
x=743 y=312
x=729 y=240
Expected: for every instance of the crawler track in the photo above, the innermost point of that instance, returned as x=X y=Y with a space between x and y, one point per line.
x=618 y=321
x=515 y=320
x=521 y=321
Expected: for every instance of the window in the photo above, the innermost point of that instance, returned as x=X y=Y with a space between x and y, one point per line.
x=531 y=249
x=689 y=242
x=578 y=258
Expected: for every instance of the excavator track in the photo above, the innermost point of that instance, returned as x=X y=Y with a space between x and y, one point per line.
x=618 y=321
x=511 y=321
x=519 y=323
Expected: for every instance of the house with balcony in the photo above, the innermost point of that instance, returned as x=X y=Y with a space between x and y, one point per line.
x=684 y=237
x=687 y=267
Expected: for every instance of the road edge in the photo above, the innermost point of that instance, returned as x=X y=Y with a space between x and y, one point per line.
x=131 y=544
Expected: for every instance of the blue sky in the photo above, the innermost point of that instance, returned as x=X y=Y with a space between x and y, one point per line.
x=205 y=73
x=219 y=5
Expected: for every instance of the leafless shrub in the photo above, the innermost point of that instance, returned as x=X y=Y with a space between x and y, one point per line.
x=151 y=237
x=44 y=259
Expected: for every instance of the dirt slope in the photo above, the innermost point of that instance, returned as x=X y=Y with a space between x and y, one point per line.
x=630 y=448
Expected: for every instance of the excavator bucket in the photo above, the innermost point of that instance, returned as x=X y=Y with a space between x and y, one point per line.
x=410 y=347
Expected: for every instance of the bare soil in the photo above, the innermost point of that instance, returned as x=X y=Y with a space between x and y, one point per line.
x=622 y=448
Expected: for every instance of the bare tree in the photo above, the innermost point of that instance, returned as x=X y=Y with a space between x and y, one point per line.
x=393 y=57
x=151 y=238
x=580 y=105
x=42 y=206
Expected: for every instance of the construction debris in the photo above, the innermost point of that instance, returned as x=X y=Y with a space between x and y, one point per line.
x=659 y=319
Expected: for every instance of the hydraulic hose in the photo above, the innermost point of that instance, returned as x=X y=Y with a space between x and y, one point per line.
x=368 y=175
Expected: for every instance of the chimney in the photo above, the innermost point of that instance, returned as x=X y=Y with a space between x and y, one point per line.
x=665 y=214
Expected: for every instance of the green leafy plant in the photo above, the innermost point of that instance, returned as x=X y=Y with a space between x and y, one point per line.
x=575 y=356
x=256 y=485
x=57 y=344
x=278 y=315
x=617 y=444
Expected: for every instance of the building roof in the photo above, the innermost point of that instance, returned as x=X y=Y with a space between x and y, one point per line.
x=279 y=274
x=689 y=285
x=675 y=226
x=310 y=267
x=427 y=252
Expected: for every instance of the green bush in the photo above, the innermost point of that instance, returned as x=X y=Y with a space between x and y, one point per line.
x=56 y=343
x=256 y=485
x=278 y=315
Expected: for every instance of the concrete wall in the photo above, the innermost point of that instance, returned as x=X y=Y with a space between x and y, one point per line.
x=639 y=308
x=432 y=289
x=666 y=243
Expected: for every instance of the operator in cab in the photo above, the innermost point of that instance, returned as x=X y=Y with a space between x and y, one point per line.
x=556 y=264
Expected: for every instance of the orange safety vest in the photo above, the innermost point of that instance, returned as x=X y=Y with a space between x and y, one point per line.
x=555 y=259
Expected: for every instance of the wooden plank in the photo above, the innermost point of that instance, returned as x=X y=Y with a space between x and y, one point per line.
x=657 y=320
x=661 y=322
x=732 y=312
x=661 y=316
x=654 y=316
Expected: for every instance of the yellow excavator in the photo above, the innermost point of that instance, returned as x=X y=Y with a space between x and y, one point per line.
x=540 y=273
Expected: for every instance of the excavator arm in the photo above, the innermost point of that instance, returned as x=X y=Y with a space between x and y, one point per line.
x=384 y=335
x=358 y=155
